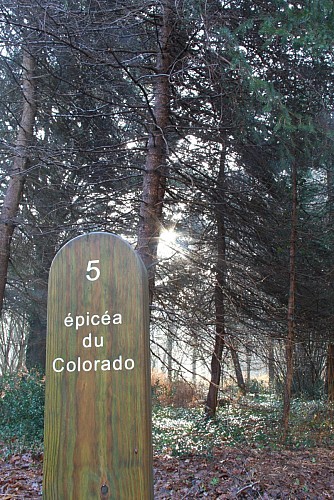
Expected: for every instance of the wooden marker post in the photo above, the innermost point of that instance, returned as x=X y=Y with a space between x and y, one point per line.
x=98 y=395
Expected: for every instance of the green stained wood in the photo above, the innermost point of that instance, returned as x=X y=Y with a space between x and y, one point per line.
x=98 y=409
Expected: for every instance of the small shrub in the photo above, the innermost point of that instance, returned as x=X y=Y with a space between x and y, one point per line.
x=258 y=387
x=22 y=410
x=178 y=393
x=183 y=393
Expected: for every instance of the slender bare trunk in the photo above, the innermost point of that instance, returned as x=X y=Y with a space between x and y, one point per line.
x=238 y=371
x=194 y=364
x=271 y=363
x=212 y=397
x=155 y=173
x=14 y=190
x=330 y=372
x=290 y=340
x=249 y=366
x=330 y=348
x=170 y=345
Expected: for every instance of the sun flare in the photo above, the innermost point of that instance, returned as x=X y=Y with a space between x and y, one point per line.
x=167 y=242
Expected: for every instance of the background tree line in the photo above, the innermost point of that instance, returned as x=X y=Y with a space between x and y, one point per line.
x=213 y=119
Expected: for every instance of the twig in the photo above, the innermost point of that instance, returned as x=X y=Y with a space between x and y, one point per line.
x=246 y=487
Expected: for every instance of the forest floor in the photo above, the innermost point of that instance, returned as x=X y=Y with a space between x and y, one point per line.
x=230 y=473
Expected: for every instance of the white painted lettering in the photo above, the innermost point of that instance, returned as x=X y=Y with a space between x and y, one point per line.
x=101 y=341
x=68 y=321
x=117 y=363
x=55 y=361
x=79 y=321
x=87 y=319
x=87 y=341
x=129 y=364
x=106 y=319
x=95 y=322
x=71 y=366
x=60 y=365
x=87 y=365
x=106 y=365
x=117 y=319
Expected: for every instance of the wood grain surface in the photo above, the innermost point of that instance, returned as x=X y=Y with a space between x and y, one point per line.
x=98 y=408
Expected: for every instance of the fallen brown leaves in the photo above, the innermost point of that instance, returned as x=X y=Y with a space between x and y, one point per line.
x=231 y=473
x=20 y=477
x=247 y=473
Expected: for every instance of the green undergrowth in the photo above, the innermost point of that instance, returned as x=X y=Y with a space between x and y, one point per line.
x=311 y=424
x=22 y=412
x=181 y=432
x=177 y=431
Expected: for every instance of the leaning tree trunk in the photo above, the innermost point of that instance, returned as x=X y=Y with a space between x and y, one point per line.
x=155 y=173
x=14 y=190
x=290 y=340
x=238 y=371
x=212 y=397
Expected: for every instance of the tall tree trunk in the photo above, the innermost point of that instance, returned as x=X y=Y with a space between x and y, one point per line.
x=330 y=372
x=330 y=348
x=155 y=173
x=212 y=397
x=290 y=340
x=14 y=190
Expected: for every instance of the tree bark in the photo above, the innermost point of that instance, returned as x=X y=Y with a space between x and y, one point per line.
x=238 y=371
x=170 y=343
x=271 y=363
x=330 y=372
x=330 y=348
x=194 y=364
x=290 y=340
x=155 y=173
x=249 y=366
x=14 y=190
x=212 y=397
